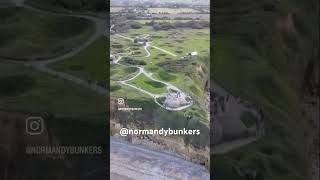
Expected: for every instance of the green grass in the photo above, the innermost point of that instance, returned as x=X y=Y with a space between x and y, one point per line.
x=115 y=88
x=60 y=97
x=15 y=84
x=248 y=119
x=69 y=5
x=125 y=91
x=259 y=80
x=90 y=63
x=119 y=72
x=269 y=157
x=167 y=76
x=183 y=41
x=28 y=35
x=149 y=85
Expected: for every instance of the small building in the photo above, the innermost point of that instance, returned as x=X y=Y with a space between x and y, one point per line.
x=141 y=41
x=112 y=57
x=192 y=54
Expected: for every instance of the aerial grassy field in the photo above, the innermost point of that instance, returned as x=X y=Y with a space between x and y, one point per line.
x=189 y=75
x=24 y=89
x=116 y=9
x=91 y=63
x=30 y=36
x=177 y=41
x=125 y=47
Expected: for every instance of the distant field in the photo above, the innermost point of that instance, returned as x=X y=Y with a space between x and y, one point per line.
x=161 y=20
x=116 y=9
x=177 y=41
x=33 y=91
x=125 y=46
x=28 y=35
x=88 y=64
x=182 y=16
x=171 y=10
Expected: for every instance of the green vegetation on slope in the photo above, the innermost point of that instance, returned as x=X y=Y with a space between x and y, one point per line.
x=67 y=5
x=45 y=93
x=29 y=35
x=263 y=60
x=90 y=64
x=16 y=84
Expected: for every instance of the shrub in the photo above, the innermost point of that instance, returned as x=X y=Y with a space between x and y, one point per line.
x=115 y=88
x=248 y=119
x=17 y=84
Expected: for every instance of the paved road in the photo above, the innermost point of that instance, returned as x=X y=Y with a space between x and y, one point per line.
x=128 y=161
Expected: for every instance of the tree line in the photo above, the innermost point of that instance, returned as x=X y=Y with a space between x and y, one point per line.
x=175 y=25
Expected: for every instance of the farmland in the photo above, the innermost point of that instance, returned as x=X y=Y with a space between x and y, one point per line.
x=172 y=10
x=182 y=16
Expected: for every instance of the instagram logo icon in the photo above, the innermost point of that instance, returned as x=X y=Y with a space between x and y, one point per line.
x=34 y=125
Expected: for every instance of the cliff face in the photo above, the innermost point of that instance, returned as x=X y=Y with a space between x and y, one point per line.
x=14 y=141
x=282 y=33
x=261 y=53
